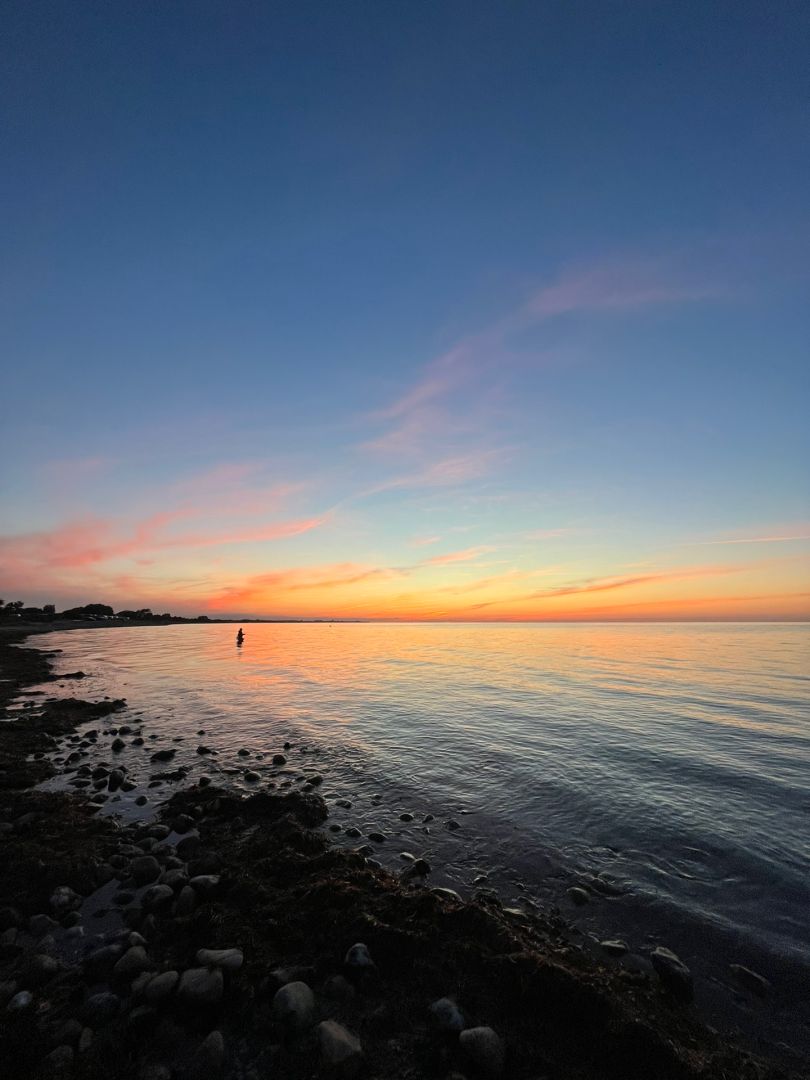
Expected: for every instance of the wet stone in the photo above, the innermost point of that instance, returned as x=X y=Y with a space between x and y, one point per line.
x=750 y=980
x=578 y=895
x=673 y=973
x=341 y=1052
x=294 y=1006
x=201 y=986
x=161 y=986
x=614 y=948
x=446 y=1017
x=145 y=869
x=484 y=1050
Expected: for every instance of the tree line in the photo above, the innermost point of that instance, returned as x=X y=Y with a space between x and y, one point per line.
x=17 y=611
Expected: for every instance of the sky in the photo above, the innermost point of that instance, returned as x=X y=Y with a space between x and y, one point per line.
x=447 y=310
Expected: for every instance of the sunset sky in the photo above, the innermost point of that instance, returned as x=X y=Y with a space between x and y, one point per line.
x=407 y=310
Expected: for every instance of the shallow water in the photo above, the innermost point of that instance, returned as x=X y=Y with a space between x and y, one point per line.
x=671 y=760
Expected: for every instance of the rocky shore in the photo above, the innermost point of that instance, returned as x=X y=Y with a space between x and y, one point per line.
x=230 y=938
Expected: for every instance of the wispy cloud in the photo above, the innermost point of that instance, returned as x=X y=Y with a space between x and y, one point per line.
x=608 y=584
x=458 y=556
x=780 y=535
x=424 y=541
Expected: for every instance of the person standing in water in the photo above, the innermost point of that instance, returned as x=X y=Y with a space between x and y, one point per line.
x=240 y=637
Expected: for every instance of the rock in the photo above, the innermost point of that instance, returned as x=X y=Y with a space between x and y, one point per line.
x=161 y=986
x=163 y=755
x=157 y=897
x=10 y=917
x=227 y=959
x=242 y=752
x=64 y=899
x=376 y=837
x=117 y=745
x=85 y=1040
x=159 y=832
x=100 y=962
x=204 y=883
x=186 y=901
x=673 y=973
x=452 y=825
x=251 y=776
x=358 y=958
x=418 y=868
x=201 y=986
x=341 y=1052
x=578 y=895
x=40 y=925
x=446 y=894
x=133 y=962
x=115 y=780
x=174 y=878
x=279 y=759
x=614 y=948
x=295 y=973
x=39 y=969
x=21 y=1001
x=338 y=988
x=406 y=817
x=750 y=980
x=446 y=1017
x=352 y=831
x=145 y=869
x=189 y=845
x=208 y=1060
x=100 y=1008
x=344 y=804
x=294 y=1006
x=483 y=1049
x=182 y=823
x=142 y=1019
x=204 y=749
x=59 y=1062
x=141 y=800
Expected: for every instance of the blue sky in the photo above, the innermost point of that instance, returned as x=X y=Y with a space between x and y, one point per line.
x=376 y=273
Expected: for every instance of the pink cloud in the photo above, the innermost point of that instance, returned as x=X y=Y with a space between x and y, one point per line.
x=458 y=556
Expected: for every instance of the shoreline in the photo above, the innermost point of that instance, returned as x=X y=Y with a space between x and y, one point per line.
x=292 y=905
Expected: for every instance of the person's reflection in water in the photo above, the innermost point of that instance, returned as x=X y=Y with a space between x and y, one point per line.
x=240 y=637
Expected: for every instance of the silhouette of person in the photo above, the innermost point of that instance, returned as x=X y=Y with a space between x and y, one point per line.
x=240 y=637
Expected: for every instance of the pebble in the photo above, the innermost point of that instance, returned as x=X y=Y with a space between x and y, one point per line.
x=157 y=896
x=673 y=973
x=294 y=1005
x=338 y=988
x=186 y=901
x=40 y=925
x=117 y=745
x=344 y=804
x=483 y=1049
x=341 y=1052
x=352 y=831
x=446 y=1016
x=101 y=1008
x=201 y=986
x=279 y=759
x=452 y=824
x=614 y=948
x=242 y=752
x=161 y=986
x=251 y=776
x=446 y=894
x=189 y=845
x=376 y=837
x=64 y=899
x=208 y=1060
x=204 y=749
x=59 y=1062
x=133 y=962
x=359 y=957
x=227 y=959
x=204 y=883
x=22 y=1000
x=145 y=869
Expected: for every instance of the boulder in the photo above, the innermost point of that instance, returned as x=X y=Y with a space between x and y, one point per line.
x=673 y=973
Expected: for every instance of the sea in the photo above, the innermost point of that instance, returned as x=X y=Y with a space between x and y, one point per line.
x=664 y=768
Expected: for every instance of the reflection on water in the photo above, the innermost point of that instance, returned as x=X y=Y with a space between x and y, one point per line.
x=667 y=762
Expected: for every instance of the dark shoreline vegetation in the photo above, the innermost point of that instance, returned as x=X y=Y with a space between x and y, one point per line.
x=231 y=939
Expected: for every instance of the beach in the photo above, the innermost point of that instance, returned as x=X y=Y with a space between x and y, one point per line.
x=315 y=959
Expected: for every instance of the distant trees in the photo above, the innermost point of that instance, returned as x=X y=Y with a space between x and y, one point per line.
x=16 y=611
x=88 y=611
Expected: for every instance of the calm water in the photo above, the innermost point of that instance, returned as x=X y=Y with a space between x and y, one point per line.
x=672 y=760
